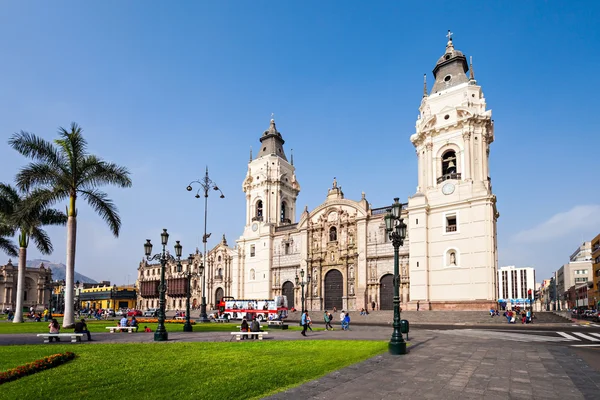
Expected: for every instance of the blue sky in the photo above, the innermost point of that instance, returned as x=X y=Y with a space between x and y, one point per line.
x=167 y=88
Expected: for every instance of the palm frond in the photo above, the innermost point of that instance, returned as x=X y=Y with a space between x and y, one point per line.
x=104 y=173
x=104 y=207
x=50 y=216
x=8 y=247
x=35 y=147
x=42 y=240
x=9 y=197
x=40 y=174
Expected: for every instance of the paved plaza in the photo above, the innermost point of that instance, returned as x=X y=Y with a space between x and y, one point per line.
x=441 y=364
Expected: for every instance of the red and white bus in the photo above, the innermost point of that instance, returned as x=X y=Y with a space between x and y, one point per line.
x=275 y=309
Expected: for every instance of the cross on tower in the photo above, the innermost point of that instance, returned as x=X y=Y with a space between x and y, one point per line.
x=449 y=35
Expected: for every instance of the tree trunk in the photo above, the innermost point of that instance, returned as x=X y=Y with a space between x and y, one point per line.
x=69 y=316
x=20 y=284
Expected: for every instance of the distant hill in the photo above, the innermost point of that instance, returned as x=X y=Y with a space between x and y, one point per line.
x=59 y=270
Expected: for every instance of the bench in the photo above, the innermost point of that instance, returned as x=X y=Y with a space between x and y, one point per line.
x=113 y=329
x=278 y=325
x=238 y=335
x=75 y=337
x=221 y=320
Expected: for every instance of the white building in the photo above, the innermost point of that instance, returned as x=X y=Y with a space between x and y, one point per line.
x=449 y=258
x=514 y=284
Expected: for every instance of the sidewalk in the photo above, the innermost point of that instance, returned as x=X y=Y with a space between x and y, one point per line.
x=458 y=368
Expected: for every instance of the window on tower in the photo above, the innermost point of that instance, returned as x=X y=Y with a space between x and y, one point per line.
x=259 y=211
x=451 y=224
x=284 y=213
x=449 y=166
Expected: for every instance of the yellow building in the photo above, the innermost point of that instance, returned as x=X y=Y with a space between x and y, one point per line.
x=107 y=297
x=594 y=293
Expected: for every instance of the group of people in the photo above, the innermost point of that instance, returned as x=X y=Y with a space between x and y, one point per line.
x=526 y=316
x=306 y=322
x=124 y=322
x=80 y=327
x=254 y=326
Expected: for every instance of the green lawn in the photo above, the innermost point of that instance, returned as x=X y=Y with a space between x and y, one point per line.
x=100 y=326
x=181 y=370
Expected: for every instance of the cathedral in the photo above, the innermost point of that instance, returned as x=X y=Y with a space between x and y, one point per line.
x=448 y=259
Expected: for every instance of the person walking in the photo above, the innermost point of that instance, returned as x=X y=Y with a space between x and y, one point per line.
x=327 y=317
x=304 y=322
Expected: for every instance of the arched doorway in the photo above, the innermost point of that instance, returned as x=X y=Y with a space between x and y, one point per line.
x=287 y=290
x=386 y=292
x=218 y=295
x=334 y=290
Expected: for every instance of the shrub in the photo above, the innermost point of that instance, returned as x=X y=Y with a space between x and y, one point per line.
x=36 y=366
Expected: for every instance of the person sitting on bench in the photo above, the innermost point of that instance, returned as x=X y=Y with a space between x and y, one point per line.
x=54 y=328
x=133 y=323
x=81 y=327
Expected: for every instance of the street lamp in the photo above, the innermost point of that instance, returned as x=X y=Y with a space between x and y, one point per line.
x=161 y=332
x=48 y=286
x=302 y=283
x=113 y=297
x=205 y=184
x=396 y=229
x=187 y=327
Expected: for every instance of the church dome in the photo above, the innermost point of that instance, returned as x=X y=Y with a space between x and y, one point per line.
x=450 y=69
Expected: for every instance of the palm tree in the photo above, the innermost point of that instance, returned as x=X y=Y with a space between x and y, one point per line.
x=65 y=170
x=28 y=220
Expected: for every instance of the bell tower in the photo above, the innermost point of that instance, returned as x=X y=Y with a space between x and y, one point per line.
x=271 y=187
x=271 y=191
x=452 y=226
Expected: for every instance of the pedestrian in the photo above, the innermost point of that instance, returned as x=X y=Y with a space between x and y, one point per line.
x=418 y=305
x=309 y=321
x=327 y=317
x=373 y=305
x=254 y=327
x=304 y=322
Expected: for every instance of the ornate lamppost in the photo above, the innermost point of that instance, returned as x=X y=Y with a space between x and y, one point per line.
x=396 y=229
x=161 y=332
x=187 y=327
x=302 y=283
x=205 y=184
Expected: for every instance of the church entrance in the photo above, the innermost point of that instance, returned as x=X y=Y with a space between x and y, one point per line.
x=386 y=292
x=218 y=295
x=287 y=290
x=334 y=290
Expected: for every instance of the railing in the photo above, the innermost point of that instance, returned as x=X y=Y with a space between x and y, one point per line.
x=385 y=210
x=286 y=227
x=257 y=218
x=445 y=177
x=451 y=228
x=286 y=221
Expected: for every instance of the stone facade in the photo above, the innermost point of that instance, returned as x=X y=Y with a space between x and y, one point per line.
x=449 y=257
x=218 y=280
x=38 y=287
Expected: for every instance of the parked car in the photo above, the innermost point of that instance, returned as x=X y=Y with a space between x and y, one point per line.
x=151 y=312
x=120 y=313
x=109 y=313
x=132 y=313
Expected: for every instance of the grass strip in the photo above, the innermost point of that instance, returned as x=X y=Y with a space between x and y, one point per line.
x=186 y=370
